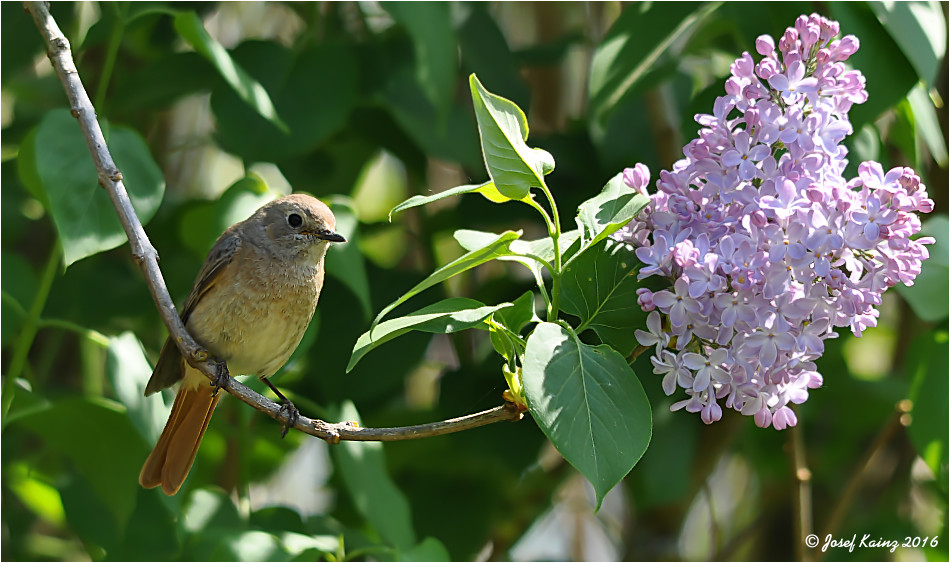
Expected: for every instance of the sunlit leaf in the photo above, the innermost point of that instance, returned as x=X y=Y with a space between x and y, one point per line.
x=514 y=167
x=495 y=248
x=446 y=316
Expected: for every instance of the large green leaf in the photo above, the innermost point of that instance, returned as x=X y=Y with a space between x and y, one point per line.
x=446 y=316
x=488 y=190
x=928 y=296
x=928 y=368
x=588 y=402
x=363 y=467
x=919 y=29
x=614 y=207
x=128 y=371
x=190 y=28
x=600 y=288
x=58 y=159
x=503 y=128
x=492 y=249
x=640 y=39
x=95 y=435
x=430 y=26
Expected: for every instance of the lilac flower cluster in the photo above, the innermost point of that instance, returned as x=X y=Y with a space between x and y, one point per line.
x=767 y=246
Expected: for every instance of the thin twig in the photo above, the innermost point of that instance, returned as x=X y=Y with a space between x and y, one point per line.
x=804 y=524
x=146 y=257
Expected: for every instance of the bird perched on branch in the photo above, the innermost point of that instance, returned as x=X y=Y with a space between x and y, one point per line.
x=249 y=307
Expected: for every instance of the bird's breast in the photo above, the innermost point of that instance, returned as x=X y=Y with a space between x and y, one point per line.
x=256 y=313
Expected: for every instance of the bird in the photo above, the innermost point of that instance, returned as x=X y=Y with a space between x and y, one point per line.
x=249 y=307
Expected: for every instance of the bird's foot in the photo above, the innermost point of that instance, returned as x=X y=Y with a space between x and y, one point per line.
x=285 y=406
x=221 y=376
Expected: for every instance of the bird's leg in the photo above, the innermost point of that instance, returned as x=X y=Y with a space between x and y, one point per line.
x=292 y=412
x=221 y=376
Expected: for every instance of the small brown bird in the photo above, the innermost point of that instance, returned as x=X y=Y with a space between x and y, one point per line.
x=249 y=306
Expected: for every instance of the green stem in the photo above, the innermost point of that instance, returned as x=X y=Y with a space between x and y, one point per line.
x=554 y=227
x=28 y=334
x=112 y=52
x=87 y=333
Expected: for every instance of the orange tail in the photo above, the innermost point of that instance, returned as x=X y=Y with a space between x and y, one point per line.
x=170 y=461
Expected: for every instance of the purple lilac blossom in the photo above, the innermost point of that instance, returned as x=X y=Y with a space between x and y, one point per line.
x=766 y=246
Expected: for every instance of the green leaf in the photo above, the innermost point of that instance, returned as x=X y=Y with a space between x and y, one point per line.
x=433 y=37
x=429 y=549
x=640 y=40
x=514 y=167
x=525 y=252
x=446 y=316
x=588 y=402
x=600 y=288
x=128 y=371
x=363 y=467
x=928 y=124
x=485 y=52
x=614 y=207
x=919 y=29
x=928 y=296
x=495 y=248
x=95 y=436
x=345 y=262
x=453 y=139
x=888 y=73
x=513 y=318
x=82 y=211
x=488 y=190
x=190 y=28
x=927 y=368
x=315 y=89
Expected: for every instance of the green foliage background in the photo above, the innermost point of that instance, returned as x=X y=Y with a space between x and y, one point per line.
x=367 y=105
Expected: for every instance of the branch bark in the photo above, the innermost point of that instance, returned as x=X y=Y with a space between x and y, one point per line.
x=145 y=255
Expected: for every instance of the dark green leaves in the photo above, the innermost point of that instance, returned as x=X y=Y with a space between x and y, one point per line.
x=313 y=89
x=928 y=372
x=58 y=169
x=512 y=164
x=634 y=49
x=588 y=402
x=430 y=26
x=600 y=288
x=189 y=26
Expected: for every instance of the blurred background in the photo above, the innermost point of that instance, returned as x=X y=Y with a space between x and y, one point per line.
x=373 y=107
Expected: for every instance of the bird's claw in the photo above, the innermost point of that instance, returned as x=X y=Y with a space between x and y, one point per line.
x=221 y=376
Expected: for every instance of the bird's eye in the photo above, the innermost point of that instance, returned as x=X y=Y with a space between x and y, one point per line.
x=294 y=220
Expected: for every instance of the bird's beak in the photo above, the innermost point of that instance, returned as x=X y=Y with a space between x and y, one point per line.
x=329 y=236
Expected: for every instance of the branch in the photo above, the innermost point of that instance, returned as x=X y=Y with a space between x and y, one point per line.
x=804 y=524
x=144 y=254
